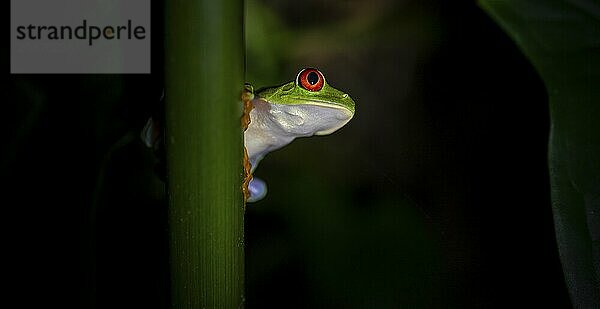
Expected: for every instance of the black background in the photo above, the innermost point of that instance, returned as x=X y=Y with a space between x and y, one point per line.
x=86 y=225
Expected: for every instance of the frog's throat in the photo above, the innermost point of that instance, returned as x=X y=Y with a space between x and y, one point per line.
x=273 y=126
x=312 y=118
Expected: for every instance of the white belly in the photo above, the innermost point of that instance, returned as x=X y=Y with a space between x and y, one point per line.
x=264 y=133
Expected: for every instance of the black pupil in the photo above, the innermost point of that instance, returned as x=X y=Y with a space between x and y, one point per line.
x=312 y=78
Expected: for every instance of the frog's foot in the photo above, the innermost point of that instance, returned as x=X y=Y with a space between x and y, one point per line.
x=247 y=175
x=257 y=189
x=150 y=135
x=247 y=96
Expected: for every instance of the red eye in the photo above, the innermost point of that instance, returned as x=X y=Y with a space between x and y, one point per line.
x=311 y=79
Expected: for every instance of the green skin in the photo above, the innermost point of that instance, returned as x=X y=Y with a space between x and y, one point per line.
x=282 y=113
x=291 y=93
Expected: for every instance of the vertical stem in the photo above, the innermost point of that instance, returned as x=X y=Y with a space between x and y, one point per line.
x=204 y=54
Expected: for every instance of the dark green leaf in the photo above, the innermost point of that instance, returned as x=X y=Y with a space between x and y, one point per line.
x=562 y=40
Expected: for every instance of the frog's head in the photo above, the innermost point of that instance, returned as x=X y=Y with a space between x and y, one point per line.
x=320 y=106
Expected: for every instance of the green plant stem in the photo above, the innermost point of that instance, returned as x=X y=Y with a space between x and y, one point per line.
x=204 y=67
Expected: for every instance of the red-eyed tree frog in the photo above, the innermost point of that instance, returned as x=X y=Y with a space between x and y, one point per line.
x=304 y=107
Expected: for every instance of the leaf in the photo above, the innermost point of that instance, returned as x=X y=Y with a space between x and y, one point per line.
x=562 y=40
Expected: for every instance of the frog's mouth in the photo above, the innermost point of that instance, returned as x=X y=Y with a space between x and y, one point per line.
x=314 y=118
x=329 y=104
